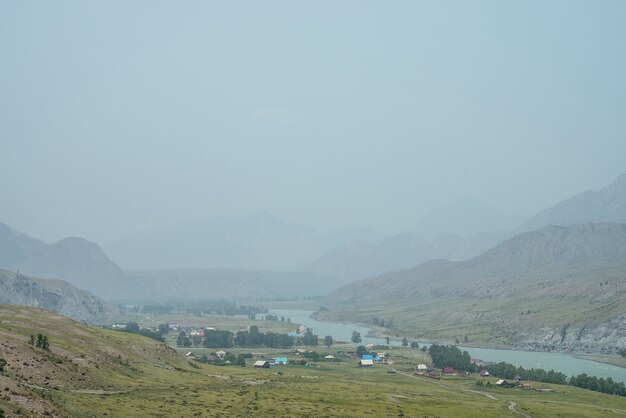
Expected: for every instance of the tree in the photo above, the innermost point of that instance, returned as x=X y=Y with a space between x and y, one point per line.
x=32 y=340
x=3 y=363
x=164 y=328
x=132 y=327
x=414 y=345
x=356 y=337
x=328 y=341
x=42 y=342
x=183 y=340
x=308 y=338
x=387 y=340
x=360 y=350
x=405 y=342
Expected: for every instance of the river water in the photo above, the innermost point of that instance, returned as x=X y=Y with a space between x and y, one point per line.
x=560 y=362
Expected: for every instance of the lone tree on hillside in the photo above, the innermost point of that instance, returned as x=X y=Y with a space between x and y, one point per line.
x=328 y=341
x=42 y=342
x=356 y=337
x=405 y=342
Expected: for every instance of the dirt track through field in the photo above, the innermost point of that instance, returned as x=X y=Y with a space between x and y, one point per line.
x=511 y=404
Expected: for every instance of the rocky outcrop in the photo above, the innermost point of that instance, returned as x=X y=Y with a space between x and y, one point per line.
x=606 y=338
x=54 y=295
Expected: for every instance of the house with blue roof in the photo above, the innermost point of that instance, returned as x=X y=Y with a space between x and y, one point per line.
x=367 y=357
x=281 y=361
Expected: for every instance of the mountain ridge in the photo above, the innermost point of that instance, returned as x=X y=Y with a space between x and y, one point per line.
x=607 y=204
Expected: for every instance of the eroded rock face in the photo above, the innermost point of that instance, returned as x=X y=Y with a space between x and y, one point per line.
x=607 y=338
x=54 y=295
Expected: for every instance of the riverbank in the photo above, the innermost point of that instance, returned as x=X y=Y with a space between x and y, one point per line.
x=565 y=362
x=613 y=360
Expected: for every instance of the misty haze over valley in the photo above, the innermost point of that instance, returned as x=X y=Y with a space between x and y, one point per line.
x=414 y=208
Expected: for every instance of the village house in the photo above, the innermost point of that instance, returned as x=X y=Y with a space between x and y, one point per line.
x=449 y=371
x=221 y=354
x=329 y=358
x=281 y=361
x=422 y=367
x=366 y=363
x=262 y=364
x=484 y=373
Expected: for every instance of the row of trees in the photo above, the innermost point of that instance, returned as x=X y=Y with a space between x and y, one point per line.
x=509 y=371
x=134 y=328
x=199 y=307
x=608 y=385
x=451 y=356
x=598 y=384
x=251 y=338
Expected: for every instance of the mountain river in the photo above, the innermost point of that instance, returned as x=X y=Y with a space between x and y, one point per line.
x=561 y=362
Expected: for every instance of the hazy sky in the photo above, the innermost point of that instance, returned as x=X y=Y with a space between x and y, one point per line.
x=122 y=115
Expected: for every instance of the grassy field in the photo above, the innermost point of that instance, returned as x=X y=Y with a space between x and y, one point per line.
x=96 y=372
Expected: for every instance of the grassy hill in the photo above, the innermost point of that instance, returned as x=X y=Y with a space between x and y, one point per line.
x=96 y=372
x=555 y=288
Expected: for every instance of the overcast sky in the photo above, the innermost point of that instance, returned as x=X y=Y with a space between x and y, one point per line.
x=117 y=116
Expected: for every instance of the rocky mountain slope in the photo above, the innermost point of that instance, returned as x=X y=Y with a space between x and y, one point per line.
x=54 y=295
x=361 y=259
x=560 y=279
x=604 y=205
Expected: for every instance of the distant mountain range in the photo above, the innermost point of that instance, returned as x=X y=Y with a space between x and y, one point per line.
x=53 y=295
x=569 y=283
x=255 y=242
x=163 y=285
x=361 y=259
x=464 y=229
x=262 y=242
x=243 y=257
x=75 y=260
x=550 y=250
x=84 y=264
